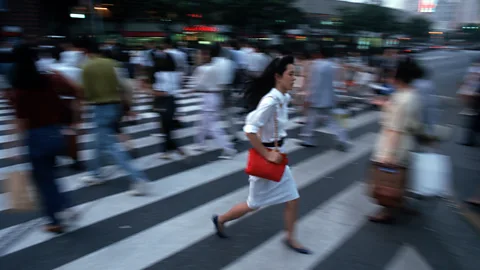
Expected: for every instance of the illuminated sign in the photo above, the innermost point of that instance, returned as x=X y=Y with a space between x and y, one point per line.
x=427 y=6
x=195 y=15
x=200 y=28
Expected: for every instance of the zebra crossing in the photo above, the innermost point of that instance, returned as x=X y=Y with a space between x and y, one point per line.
x=171 y=228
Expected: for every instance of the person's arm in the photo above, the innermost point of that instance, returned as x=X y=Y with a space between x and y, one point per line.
x=67 y=86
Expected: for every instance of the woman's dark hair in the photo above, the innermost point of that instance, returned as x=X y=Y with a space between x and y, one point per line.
x=163 y=63
x=421 y=72
x=25 y=75
x=215 y=50
x=90 y=44
x=407 y=70
x=262 y=85
x=107 y=53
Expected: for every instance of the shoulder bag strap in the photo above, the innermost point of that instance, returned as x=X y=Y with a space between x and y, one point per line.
x=275 y=125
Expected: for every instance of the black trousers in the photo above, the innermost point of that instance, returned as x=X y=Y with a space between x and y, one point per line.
x=166 y=107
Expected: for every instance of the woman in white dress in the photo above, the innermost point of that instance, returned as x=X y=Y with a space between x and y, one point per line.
x=272 y=88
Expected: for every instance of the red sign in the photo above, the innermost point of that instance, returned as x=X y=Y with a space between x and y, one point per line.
x=195 y=15
x=427 y=6
x=200 y=28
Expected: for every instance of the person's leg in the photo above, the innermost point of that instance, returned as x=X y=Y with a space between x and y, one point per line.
x=202 y=129
x=167 y=125
x=308 y=129
x=290 y=217
x=112 y=145
x=234 y=213
x=42 y=177
x=336 y=128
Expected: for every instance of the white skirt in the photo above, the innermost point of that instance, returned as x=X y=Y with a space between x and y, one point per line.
x=264 y=192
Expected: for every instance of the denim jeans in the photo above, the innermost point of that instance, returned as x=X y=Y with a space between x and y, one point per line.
x=44 y=144
x=105 y=117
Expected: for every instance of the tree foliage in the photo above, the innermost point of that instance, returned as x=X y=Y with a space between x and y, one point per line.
x=417 y=27
x=371 y=18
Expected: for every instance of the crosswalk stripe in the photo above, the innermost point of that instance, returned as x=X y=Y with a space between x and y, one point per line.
x=322 y=231
x=161 y=230
x=183 y=230
x=408 y=258
x=162 y=188
x=150 y=161
x=357 y=121
x=90 y=125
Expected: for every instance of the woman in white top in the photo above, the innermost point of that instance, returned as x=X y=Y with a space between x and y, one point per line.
x=273 y=85
x=165 y=83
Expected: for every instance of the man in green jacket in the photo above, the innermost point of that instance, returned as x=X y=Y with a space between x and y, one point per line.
x=102 y=90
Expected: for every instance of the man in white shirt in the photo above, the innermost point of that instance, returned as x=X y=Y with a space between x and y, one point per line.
x=258 y=60
x=321 y=99
x=216 y=76
x=72 y=54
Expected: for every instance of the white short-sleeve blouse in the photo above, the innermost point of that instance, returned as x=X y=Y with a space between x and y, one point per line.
x=261 y=119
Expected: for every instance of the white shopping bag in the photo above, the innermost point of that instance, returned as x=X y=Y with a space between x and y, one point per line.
x=342 y=116
x=430 y=175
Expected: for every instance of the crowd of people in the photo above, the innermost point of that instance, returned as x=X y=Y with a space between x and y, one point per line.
x=49 y=92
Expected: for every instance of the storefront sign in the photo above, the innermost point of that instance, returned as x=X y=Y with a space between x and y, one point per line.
x=200 y=28
x=11 y=31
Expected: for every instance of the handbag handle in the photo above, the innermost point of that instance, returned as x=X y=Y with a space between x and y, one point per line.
x=275 y=126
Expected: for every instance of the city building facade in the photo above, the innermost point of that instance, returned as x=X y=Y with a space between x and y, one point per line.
x=23 y=15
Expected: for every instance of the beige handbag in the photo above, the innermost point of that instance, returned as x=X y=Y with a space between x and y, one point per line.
x=21 y=193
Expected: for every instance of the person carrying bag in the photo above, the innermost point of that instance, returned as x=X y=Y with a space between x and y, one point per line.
x=271 y=117
x=400 y=123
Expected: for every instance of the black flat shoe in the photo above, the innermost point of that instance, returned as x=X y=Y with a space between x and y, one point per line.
x=218 y=229
x=304 y=144
x=298 y=250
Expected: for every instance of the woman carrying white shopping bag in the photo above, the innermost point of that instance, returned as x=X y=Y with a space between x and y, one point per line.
x=269 y=119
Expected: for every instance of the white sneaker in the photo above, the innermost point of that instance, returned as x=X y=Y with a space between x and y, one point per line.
x=138 y=188
x=92 y=181
x=228 y=154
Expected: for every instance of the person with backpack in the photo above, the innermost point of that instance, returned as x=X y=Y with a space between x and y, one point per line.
x=265 y=127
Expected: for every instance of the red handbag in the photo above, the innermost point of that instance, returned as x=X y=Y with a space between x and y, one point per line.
x=258 y=166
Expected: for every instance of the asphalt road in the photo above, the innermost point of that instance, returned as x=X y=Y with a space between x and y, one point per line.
x=171 y=228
